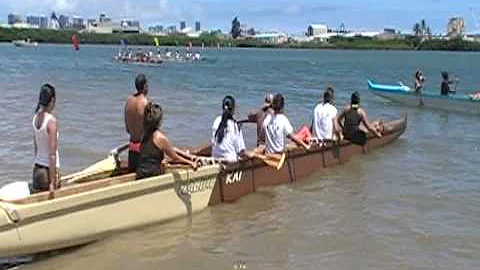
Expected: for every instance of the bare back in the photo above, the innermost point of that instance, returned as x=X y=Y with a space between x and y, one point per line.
x=134 y=111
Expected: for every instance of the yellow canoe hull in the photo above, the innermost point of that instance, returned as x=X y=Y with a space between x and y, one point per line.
x=83 y=213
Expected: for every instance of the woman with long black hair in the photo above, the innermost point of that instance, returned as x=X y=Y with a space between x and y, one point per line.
x=45 y=139
x=227 y=138
x=155 y=145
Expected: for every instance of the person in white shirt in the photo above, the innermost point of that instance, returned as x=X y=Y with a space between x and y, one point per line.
x=45 y=134
x=227 y=138
x=324 y=116
x=277 y=127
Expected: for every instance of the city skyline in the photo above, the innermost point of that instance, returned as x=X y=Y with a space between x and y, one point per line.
x=281 y=15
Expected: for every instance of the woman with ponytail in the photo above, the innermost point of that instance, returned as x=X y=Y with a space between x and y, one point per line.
x=227 y=138
x=155 y=145
x=45 y=134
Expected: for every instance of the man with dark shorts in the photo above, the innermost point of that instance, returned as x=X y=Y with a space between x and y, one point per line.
x=259 y=116
x=134 y=111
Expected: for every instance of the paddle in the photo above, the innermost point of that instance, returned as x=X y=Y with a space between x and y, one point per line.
x=107 y=165
x=273 y=160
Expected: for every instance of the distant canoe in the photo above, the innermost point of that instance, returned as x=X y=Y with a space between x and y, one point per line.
x=405 y=95
x=23 y=43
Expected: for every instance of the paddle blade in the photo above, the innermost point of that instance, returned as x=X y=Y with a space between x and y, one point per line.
x=273 y=160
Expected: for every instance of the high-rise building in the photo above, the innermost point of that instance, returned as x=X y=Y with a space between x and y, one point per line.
x=63 y=21
x=77 y=22
x=456 y=27
x=183 y=25
x=33 y=20
x=172 y=29
x=43 y=22
x=14 y=18
x=197 y=26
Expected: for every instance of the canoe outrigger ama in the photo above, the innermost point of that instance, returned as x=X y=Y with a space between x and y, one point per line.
x=85 y=212
x=407 y=96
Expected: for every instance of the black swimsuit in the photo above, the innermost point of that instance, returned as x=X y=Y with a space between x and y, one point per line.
x=150 y=160
x=351 y=130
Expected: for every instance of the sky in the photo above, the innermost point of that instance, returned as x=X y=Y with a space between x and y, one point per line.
x=280 y=15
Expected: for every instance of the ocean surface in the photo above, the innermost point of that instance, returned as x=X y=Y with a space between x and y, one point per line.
x=414 y=204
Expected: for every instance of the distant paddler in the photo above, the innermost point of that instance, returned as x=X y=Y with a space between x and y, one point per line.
x=419 y=84
x=45 y=131
x=134 y=115
x=445 y=89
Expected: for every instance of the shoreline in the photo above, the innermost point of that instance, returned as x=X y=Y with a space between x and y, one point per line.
x=209 y=40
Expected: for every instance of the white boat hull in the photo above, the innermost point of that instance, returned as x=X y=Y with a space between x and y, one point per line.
x=87 y=216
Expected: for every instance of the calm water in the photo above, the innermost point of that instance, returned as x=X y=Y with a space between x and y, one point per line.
x=412 y=205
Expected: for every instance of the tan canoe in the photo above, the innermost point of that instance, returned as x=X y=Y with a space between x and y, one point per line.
x=85 y=212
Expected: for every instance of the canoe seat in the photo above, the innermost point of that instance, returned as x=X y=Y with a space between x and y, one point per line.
x=77 y=188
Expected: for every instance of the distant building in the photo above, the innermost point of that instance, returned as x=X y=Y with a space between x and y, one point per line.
x=272 y=38
x=63 y=21
x=38 y=21
x=14 y=18
x=317 y=30
x=183 y=25
x=197 y=26
x=126 y=26
x=172 y=29
x=90 y=21
x=157 y=29
x=456 y=27
x=77 y=22
x=389 y=34
x=103 y=18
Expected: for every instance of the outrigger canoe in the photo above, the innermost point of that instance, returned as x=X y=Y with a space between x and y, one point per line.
x=85 y=212
x=407 y=96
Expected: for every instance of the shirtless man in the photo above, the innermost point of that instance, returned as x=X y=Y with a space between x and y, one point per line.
x=259 y=116
x=134 y=110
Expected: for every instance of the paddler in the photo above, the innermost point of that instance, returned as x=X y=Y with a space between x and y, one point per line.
x=227 y=137
x=445 y=86
x=277 y=127
x=45 y=133
x=324 y=116
x=155 y=145
x=134 y=114
x=352 y=117
x=259 y=116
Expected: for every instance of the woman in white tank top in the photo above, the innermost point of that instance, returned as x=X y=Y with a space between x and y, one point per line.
x=45 y=133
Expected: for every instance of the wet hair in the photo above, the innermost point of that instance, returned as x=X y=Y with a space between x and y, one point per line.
x=140 y=82
x=328 y=95
x=47 y=93
x=228 y=106
x=444 y=75
x=278 y=102
x=152 y=120
x=355 y=100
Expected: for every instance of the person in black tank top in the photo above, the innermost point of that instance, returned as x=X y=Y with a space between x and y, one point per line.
x=352 y=116
x=155 y=145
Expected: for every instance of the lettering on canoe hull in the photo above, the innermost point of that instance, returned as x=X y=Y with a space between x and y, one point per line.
x=234 y=177
x=198 y=185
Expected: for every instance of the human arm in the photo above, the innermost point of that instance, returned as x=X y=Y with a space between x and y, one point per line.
x=338 y=125
x=125 y=118
x=367 y=124
x=52 y=129
x=163 y=143
x=296 y=140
